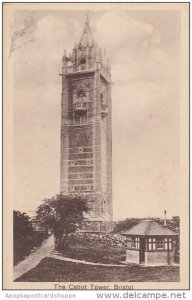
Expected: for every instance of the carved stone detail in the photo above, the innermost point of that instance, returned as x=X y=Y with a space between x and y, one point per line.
x=81 y=85
x=80 y=139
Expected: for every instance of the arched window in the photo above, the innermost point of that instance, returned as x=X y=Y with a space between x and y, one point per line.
x=81 y=94
x=101 y=98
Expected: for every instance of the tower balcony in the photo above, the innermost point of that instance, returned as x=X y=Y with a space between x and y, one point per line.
x=80 y=106
x=104 y=110
x=79 y=68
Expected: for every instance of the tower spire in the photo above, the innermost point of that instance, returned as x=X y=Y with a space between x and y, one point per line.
x=87 y=37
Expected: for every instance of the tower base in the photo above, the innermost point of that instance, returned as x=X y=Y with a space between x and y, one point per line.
x=97 y=226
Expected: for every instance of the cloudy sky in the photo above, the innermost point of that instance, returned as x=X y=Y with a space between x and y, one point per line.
x=144 y=51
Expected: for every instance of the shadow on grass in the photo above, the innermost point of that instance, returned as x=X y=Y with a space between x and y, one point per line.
x=53 y=270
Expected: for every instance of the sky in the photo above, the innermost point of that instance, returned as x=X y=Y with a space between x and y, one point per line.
x=144 y=52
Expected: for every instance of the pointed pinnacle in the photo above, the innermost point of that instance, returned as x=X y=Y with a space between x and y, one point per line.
x=87 y=18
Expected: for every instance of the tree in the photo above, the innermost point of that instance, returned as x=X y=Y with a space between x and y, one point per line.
x=125 y=224
x=22 y=230
x=22 y=224
x=62 y=215
x=26 y=237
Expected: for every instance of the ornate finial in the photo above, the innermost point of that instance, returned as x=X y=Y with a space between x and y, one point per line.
x=87 y=18
x=87 y=37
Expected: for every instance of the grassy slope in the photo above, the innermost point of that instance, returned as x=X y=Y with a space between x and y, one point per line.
x=52 y=270
x=94 y=251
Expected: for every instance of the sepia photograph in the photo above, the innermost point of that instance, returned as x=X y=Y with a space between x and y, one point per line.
x=96 y=146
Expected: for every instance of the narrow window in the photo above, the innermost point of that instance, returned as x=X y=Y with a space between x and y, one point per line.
x=149 y=244
x=160 y=243
x=84 y=119
x=133 y=242
x=77 y=120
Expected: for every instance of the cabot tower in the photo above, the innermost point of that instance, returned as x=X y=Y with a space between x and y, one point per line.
x=86 y=132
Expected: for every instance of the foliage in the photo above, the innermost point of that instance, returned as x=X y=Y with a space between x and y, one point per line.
x=125 y=224
x=25 y=237
x=173 y=223
x=62 y=215
x=94 y=248
x=22 y=224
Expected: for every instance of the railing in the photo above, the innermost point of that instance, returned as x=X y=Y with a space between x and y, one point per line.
x=89 y=67
x=83 y=67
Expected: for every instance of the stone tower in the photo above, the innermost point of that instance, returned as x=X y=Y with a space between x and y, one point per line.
x=86 y=133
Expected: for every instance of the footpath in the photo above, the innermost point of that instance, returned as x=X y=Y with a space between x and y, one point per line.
x=47 y=250
x=34 y=258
